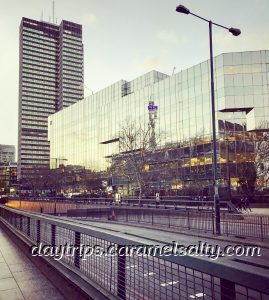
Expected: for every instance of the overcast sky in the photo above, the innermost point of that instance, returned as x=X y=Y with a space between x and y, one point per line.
x=124 y=39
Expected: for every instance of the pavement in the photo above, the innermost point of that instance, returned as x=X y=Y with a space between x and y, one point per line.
x=259 y=211
x=146 y=273
x=19 y=278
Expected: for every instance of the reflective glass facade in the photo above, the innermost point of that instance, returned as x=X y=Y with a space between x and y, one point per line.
x=51 y=76
x=86 y=133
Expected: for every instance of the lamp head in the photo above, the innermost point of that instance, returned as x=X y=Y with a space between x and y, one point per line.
x=235 y=31
x=182 y=9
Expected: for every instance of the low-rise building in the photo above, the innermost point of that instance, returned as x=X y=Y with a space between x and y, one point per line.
x=8 y=177
x=7 y=153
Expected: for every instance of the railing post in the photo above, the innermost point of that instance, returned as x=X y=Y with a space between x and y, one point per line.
x=55 y=212
x=53 y=235
x=28 y=226
x=20 y=223
x=12 y=219
x=77 y=249
x=227 y=289
x=227 y=225
x=261 y=227
x=38 y=232
x=169 y=219
x=213 y=223
x=188 y=215
x=121 y=273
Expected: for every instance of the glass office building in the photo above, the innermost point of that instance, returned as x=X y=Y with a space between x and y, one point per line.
x=86 y=133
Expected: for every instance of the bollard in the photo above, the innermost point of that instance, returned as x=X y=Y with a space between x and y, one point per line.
x=113 y=216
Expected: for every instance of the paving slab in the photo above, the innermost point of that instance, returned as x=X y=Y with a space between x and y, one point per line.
x=19 y=278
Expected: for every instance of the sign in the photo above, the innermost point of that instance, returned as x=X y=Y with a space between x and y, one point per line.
x=152 y=107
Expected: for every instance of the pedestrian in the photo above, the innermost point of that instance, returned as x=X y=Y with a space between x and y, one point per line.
x=247 y=204
x=243 y=204
x=157 y=198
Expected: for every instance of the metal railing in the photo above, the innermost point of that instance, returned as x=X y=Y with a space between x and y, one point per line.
x=168 y=218
x=199 y=218
x=61 y=205
x=244 y=226
x=139 y=277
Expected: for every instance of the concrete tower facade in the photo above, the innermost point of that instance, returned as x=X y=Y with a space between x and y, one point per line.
x=50 y=78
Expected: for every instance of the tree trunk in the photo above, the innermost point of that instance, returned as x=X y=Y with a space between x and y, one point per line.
x=140 y=194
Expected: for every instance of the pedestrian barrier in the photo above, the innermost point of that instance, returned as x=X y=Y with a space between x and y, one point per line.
x=138 y=277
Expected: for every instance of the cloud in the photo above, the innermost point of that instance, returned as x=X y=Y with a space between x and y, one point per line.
x=145 y=65
x=89 y=19
x=247 y=41
x=167 y=36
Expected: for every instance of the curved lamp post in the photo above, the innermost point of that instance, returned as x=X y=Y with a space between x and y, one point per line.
x=184 y=10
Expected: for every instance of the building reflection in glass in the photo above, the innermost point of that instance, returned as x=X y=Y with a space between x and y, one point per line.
x=86 y=133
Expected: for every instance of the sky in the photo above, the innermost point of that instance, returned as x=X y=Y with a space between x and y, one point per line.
x=124 y=39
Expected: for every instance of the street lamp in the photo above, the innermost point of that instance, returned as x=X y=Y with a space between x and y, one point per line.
x=58 y=159
x=228 y=176
x=235 y=32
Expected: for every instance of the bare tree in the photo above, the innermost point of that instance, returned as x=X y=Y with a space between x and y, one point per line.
x=135 y=150
x=262 y=156
x=36 y=180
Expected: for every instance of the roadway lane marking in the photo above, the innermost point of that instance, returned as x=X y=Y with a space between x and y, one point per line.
x=169 y=283
x=149 y=274
x=131 y=266
x=198 y=295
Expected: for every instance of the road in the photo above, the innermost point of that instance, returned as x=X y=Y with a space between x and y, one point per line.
x=154 y=278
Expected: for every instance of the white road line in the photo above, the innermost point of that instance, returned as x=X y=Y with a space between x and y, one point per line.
x=198 y=295
x=149 y=274
x=169 y=283
x=131 y=266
